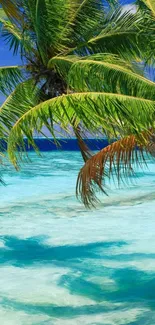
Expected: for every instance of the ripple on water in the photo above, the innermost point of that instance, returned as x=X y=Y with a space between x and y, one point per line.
x=62 y=264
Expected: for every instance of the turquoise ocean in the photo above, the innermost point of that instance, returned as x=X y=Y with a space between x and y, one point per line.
x=61 y=264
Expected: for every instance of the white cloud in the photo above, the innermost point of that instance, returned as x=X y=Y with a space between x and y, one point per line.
x=130 y=7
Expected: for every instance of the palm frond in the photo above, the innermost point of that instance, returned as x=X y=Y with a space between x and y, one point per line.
x=118 y=36
x=151 y=5
x=17 y=39
x=9 y=78
x=113 y=114
x=48 y=19
x=62 y=64
x=11 y=10
x=116 y=160
x=105 y=76
x=24 y=97
x=147 y=11
x=86 y=18
x=110 y=58
x=11 y=35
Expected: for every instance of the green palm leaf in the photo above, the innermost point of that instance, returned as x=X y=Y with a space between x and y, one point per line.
x=11 y=35
x=24 y=97
x=87 y=17
x=151 y=5
x=11 y=10
x=62 y=64
x=105 y=76
x=118 y=35
x=49 y=19
x=113 y=113
x=9 y=78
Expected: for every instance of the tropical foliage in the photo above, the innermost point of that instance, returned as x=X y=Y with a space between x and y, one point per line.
x=79 y=70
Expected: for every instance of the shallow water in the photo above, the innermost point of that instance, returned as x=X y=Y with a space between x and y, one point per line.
x=61 y=264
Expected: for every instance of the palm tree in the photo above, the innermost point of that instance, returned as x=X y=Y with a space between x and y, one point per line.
x=79 y=71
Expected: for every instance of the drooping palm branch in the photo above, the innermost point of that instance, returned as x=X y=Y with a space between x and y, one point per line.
x=115 y=114
x=117 y=160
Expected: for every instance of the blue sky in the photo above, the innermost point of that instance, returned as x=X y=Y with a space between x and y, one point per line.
x=6 y=58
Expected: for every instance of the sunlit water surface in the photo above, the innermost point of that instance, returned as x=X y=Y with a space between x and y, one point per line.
x=61 y=264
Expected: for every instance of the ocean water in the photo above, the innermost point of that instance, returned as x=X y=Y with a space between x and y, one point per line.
x=61 y=264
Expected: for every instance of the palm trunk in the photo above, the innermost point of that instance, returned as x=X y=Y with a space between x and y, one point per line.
x=85 y=151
